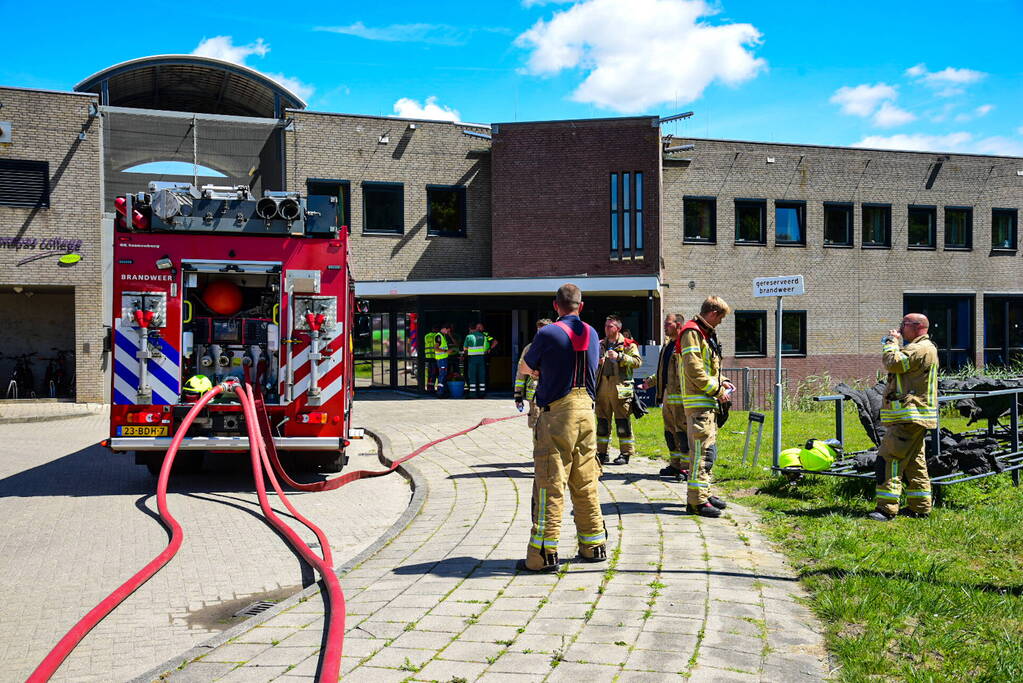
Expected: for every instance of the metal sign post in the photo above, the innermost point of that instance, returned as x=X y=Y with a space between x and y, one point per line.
x=778 y=287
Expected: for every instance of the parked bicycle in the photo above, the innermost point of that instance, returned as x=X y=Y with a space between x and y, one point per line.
x=22 y=383
x=60 y=374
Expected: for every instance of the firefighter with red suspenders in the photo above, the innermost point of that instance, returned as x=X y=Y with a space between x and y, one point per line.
x=564 y=355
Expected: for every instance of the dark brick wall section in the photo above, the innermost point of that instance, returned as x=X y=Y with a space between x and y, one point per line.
x=551 y=199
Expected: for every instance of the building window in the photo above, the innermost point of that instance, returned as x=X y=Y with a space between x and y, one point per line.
x=958 y=227
x=700 y=220
x=951 y=325
x=838 y=222
x=445 y=211
x=793 y=333
x=1003 y=330
x=1004 y=228
x=921 y=227
x=626 y=215
x=25 y=183
x=751 y=333
x=339 y=189
x=383 y=208
x=790 y=223
x=877 y=226
x=750 y=221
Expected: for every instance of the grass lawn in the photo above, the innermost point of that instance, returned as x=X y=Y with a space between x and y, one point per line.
x=939 y=599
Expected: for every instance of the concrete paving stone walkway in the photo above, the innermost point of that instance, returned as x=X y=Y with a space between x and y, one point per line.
x=78 y=521
x=680 y=597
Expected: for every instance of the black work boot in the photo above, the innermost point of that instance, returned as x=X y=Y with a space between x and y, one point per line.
x=705 y=510
x=913 y=514
x=622 y=459
x=599 y=554
x=879 y=516
x=717 y=502
x=603 y=458
x=550 y=564
x=673 y=473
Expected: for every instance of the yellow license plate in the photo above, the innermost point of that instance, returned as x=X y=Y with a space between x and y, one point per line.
x=142 y=430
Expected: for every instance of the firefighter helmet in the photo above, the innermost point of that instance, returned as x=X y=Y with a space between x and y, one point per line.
x=818 y=455
x=195 y=387
x=789 y=457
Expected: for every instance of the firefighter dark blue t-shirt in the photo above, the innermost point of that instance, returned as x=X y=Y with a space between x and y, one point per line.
x=551 y=353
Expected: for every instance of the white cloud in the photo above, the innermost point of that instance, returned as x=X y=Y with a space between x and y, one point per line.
x=303 y=90
x=890 y=116
x=1001 y=146
x=223 y=48
x=947 y=82
x=862 y=100
x=953 y=142
x=641 y=53
x=961 y=142
x=982 y=110
x=407 y=108
x=437 y=34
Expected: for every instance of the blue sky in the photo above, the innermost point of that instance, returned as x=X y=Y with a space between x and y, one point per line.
x=934 y=75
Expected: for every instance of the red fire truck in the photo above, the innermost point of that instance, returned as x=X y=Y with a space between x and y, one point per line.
x=215 y=282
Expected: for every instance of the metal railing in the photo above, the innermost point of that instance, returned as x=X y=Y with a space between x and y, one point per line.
x=754 y=387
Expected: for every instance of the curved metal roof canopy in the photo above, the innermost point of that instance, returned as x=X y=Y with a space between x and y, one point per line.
x=188 y=83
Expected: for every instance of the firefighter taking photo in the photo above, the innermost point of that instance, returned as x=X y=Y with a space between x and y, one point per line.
x=619 y=356
x=703 y=388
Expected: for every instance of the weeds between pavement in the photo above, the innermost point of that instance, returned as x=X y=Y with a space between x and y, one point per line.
x=915 y=600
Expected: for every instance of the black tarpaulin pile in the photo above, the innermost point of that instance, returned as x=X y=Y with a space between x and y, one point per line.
x=969 y=454
x=991 y=407
x=868 y=405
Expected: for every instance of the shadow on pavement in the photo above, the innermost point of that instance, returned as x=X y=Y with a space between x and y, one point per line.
x=95 y=471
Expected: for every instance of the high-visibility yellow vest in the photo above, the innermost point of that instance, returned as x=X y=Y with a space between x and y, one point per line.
x=441 y=348
x=429 y=342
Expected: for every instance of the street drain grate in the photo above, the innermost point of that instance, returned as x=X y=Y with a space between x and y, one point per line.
x=254 y=609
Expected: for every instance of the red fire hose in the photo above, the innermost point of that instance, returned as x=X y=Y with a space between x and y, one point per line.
x=71 y=639
x=265 y=462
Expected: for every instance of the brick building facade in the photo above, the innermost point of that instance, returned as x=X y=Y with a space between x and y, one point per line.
x=857 y=286
x=55 y=138
x=461 y=223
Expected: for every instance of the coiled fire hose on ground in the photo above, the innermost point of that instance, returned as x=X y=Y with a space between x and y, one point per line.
x=53 y=660
x=264 y=459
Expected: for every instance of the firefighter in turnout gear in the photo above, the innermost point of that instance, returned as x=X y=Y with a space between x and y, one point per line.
x=429 y=353
x=525 y=385
x=668 y=383
x=475 y=347
x=564 y=357
x=619 y=356
x=699 y=354
x=910 y=408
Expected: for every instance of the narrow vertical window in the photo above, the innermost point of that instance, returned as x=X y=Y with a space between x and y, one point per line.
x=638 y=203
x=626 y=209
x=614 y=213
x=921 y=230
x=1003 y=229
